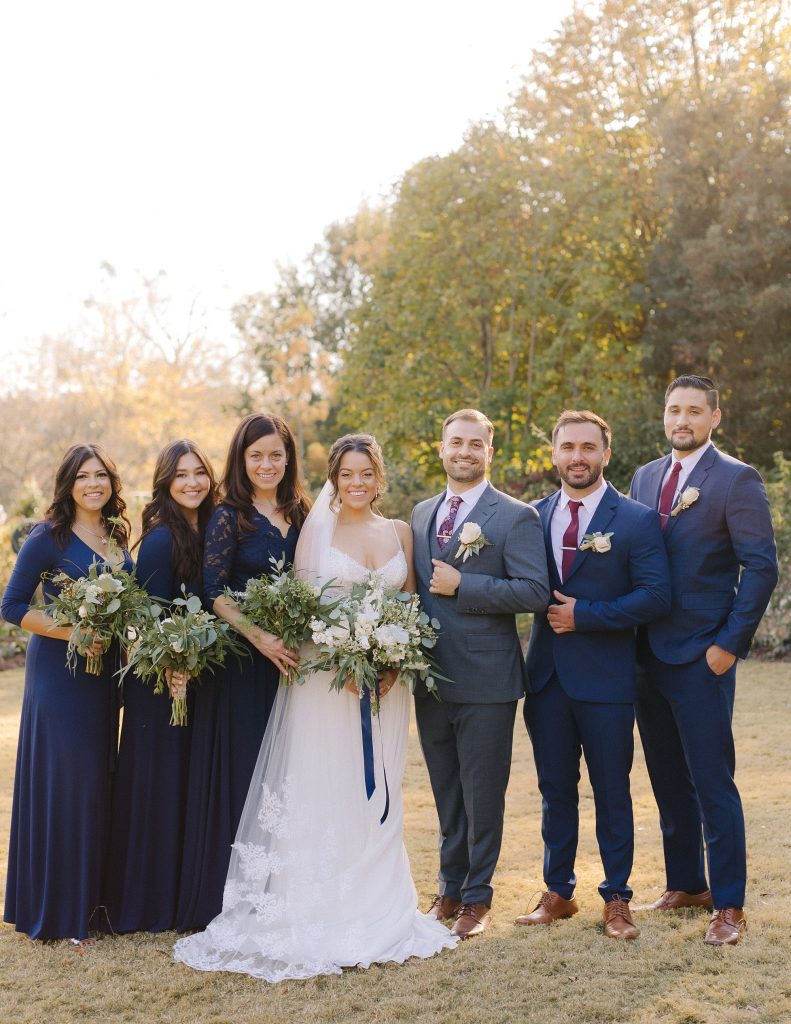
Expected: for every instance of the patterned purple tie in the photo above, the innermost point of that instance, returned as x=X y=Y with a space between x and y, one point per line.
x=448 y=523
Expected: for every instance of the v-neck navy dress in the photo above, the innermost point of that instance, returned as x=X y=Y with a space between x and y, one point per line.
x=149 y=801
x=232 y=708
x=68 y=734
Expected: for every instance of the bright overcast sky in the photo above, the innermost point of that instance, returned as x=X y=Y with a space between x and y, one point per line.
x=212 y=140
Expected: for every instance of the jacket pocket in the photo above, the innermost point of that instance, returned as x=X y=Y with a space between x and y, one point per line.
x=709 y=599
x=489 y=642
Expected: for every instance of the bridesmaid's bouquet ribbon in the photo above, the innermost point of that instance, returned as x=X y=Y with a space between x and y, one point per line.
x=186 y=639
x=106 y=604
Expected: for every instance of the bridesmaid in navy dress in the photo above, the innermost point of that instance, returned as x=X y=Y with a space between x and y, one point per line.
x=263 y=508
x=149 y=803
x=68 y=733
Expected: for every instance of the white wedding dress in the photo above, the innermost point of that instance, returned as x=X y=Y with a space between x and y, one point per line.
x=316 y=881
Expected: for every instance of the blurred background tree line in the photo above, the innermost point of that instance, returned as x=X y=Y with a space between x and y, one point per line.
x=624 y=220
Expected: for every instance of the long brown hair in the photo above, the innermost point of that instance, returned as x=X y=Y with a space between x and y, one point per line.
x=162 y=510
x=237 y=491
x=365 y=444
x=62 y=511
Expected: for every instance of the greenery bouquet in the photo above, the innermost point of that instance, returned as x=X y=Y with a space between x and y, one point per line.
x=283 y=603
x=105 y=605
x=187 y=641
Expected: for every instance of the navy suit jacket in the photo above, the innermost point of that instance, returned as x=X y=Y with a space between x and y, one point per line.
x=723 y=559
x=615 y=591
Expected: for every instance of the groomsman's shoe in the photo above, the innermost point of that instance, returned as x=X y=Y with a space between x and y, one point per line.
x=471 y=919
x=443 y=908
x=726 y=927
x=618 y=923
x=674 y=899
x=551 y=907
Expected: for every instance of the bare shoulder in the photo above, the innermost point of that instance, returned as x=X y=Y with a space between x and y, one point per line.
x=403 y=530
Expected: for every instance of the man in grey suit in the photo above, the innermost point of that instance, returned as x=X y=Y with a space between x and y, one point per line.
x=479 y=559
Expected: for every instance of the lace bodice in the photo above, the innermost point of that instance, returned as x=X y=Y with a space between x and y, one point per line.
x=231 y=556
x=347 y=570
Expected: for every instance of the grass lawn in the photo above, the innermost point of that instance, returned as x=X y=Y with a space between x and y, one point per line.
x=566 y=974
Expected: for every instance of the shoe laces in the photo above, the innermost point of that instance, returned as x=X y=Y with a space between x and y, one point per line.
x=467 y=910
x=436 y=899
x=727 y=915
x=618 y=907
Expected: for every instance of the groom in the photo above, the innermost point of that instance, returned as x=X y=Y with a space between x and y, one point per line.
x=479 y=559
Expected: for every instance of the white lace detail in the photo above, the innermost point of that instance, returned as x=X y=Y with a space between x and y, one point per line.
x=315 y=882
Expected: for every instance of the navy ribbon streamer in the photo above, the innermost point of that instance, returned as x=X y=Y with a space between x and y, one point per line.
x=366 y=726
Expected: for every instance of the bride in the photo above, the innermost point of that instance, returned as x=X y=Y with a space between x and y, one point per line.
x=319 y=877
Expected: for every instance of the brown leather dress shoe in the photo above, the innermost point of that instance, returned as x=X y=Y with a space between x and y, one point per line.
x=618 y=923
x=674 y=899
x=443 y=908
x=726 y=927
x=471 y=919
x=551 y=907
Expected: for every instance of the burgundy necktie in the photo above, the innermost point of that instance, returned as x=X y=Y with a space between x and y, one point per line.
x=448 y=523
x=570 y=538
x=668 y=493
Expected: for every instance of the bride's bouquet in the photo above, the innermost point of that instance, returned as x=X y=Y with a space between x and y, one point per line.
x=283 y=603
x=188 y=640
x=373 y=629
x=105 y=605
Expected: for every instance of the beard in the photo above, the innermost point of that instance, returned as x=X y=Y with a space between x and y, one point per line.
x=464 y=474
x=581 y=483
x=686 y=443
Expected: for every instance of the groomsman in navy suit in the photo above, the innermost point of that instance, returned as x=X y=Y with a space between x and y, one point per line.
x=609 y=573
x=723 y=567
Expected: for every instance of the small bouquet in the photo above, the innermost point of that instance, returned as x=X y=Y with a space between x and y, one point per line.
x=188 y=640
x=374 y=629
x=105 y=605
x=284 y=604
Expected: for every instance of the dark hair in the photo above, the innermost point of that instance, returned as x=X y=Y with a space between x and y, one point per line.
x=237 y=491
x=162 y=510
x=695 y=380
x=365 y=444
x=62 y=510
x=470 y=414
x=582 y=416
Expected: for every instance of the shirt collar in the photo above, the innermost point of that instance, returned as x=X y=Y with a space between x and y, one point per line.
x=468 y=497
x=590 y=501
x=689 y=463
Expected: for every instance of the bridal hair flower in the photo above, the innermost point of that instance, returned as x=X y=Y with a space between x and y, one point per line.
x=471 y=541
x=598 y=542
x=687 y=497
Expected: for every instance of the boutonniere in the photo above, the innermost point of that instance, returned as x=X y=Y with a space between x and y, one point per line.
x=598 y=542
x=471 y=541
x=687 y=497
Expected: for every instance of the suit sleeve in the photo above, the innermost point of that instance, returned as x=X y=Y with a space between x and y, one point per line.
x=650 y=596
x=749 y=523
x=525 y=585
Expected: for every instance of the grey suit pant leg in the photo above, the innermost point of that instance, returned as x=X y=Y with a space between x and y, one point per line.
x=467 y=748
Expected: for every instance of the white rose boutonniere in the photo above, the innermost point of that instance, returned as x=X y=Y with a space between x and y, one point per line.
x=598 y=542
x=687 y=497
x=471 y=541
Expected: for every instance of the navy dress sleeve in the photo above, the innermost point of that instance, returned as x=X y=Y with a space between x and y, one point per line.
x=38 y=554
x=155 y=565
x=219 y=552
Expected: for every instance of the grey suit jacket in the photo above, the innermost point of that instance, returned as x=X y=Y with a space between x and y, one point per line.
x=478 y=646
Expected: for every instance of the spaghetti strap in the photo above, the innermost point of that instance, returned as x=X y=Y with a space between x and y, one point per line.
x=395 y=531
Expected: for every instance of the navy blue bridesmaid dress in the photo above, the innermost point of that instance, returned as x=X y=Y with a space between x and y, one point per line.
x=149 y=801
x=231 y=711
x=60 y=814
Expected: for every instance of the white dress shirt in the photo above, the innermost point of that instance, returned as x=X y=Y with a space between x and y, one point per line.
x=469 y=499
x=562 y=517
x=687 y=465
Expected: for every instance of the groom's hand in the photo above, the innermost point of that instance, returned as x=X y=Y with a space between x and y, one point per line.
x=445 y=579
x=561 y=616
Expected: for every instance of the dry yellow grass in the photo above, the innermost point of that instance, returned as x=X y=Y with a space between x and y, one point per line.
x=567 y=974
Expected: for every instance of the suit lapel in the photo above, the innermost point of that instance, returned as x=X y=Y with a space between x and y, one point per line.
x=656 y=485
x=546 y=511
x=484 y=509
x=598 y=524
x=696 y=479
